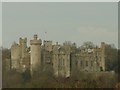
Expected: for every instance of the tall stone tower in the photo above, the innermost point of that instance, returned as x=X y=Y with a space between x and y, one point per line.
x=15 y=56
x=35 y=57
x=23 y=46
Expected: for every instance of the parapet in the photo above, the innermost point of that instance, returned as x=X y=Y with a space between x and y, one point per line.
x=36 y=41
x=22 y=40
x=47 y=42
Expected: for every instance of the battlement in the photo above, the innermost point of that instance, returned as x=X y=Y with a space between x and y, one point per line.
x=47 y=42
x=22 y=40
x=59 y=57
x=35 y=41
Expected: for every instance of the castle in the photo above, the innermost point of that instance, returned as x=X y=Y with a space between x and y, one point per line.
x=63 y=60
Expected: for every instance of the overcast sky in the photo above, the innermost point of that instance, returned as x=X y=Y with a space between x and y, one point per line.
x=75 y=22
x=0 y=24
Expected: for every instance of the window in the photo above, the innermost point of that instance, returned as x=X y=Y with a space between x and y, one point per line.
x=86 y=63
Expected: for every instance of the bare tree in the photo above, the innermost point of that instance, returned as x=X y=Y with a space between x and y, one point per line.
x=88 y=45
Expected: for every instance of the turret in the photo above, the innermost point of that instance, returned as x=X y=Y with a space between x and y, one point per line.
x=35 y=56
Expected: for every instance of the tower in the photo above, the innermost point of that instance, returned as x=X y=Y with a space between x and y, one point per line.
x=23 y=53
x=15 y=56
x=23 y=46
x=47 y=45
x=35 y=56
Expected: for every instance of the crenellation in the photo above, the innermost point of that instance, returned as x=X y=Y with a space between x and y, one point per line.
x=62 y=60
x=47 y=45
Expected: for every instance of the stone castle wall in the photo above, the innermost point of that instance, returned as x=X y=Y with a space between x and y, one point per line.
x=63 y=60
x=15 y=56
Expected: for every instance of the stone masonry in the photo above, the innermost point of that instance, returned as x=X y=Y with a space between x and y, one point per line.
x=62 y=60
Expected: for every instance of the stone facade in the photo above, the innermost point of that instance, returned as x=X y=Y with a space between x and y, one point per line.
x=19 y=55
x=47 y=56
x=15 y=56
x=89 y=60
x=35 y=56
x=62 y=60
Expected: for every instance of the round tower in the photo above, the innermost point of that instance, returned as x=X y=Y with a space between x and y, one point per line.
x=35 y=57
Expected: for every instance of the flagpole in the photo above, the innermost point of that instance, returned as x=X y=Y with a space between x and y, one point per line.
x=45 y=35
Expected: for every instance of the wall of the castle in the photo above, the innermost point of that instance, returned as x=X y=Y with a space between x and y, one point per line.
x=88 y=64
x=67 y=65
x=61 y=65
x=23 y=46
x=73 y=63
x=48 y=45
x=18 y=53
x=61 y=60
x=35 y=57
x=46 y=61
x=102 y=58
x=55 y=64
x=15 y=57
x=87 y=61
x=15 y=52
x=25 y=63
x=64 y=60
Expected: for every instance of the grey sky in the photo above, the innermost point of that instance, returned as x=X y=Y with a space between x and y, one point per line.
x=0 y=24
x=0 y=45
x=75 y=22
x=60 y=0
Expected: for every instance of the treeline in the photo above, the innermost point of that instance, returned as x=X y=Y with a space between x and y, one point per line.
x=13 y=79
